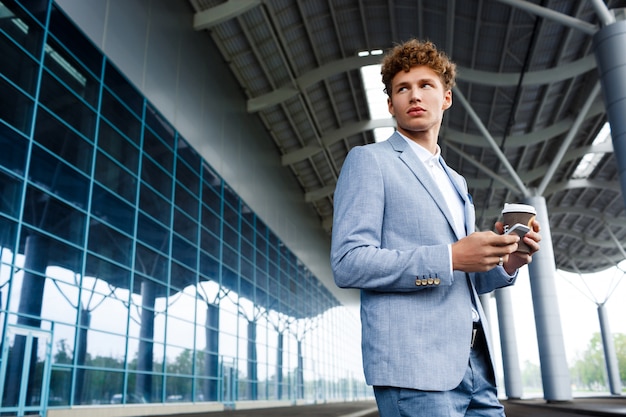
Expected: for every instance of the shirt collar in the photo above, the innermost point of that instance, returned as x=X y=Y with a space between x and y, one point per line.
x=422 y=153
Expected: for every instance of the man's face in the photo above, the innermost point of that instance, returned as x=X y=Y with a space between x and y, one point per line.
x=418 y=100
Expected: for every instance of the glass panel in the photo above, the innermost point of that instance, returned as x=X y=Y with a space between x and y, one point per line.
x=144 y=387
x=72 y=73
x=65 y=104
x=187 y=177
x=60 y=386
x=209 y=266
x=184 y=252
x=230 y=216
x=49 y=251
x=60 y=297
x=230 y=257
x=17 y=66
x=157 y=150
x=15 y=108
x=115 y=178
x=186 y=201
x=181 y=276
x=231 y=237
x=156 y=177
x=154 y=204
x=231 y=198
x=247 y=269
x=123 y=89
x=104 y=276
x=21 y=28
x=178 y=389
x=180 y=333
x=113 y=210
x=63 y=141
x=118 y=147
x=8 y=233
x=159 y=125
x=210 y=220
x=151 y=263
x=74 y=40
x=120 y=117
x=14 y=148
x=103 y=387
x=246 y=250
x=11 y=191
x=48 y=213
x=106 y=350
x=153 y=234
x=186 y=227
x=109 y=243
x=211 y=199
x=247 y=230
x=189 y=155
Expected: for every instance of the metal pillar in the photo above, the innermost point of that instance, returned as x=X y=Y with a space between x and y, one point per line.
x=252 y=362
x=610 y=357
x=554 y=370
x=610 y=51
x=508 y=343
x=212 y=361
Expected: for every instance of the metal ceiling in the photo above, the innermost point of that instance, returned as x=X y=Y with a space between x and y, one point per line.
x=527 y=105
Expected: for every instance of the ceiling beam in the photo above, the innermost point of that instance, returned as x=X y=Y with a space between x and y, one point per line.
x=550 y=14
x=210 y=17
x=541 y=77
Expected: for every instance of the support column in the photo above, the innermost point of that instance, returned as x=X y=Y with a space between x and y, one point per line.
x=300 y=373
x=279 y=366
x=610 y=357
x=212 y=362
x=252 y=362
x=610 y=51
x=554 y=370
x=145 y=354
x=81 y=355
x=508 y=343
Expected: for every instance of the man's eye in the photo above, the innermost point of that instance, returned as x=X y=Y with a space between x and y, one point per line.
x=401 y=89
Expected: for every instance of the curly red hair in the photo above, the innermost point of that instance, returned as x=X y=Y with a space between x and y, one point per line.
x=413 y=53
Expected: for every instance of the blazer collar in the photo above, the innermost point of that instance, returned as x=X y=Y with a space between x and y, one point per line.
x=420 y=171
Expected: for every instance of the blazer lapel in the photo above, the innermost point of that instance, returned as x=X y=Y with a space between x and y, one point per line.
x=421 y=173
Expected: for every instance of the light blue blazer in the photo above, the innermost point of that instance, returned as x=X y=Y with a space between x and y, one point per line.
x=390 y=233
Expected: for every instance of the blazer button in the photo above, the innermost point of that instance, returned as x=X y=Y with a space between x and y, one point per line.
x=430 y=281
x=437 y=281
x=424 y=281
x=418 y=282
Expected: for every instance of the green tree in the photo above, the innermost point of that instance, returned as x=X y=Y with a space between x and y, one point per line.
x=531 y=375
x=589 y=371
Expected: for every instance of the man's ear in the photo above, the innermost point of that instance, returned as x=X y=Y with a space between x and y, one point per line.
x=390 y=106
x=447 y=100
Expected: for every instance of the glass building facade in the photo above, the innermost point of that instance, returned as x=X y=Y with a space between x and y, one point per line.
x=130 y=271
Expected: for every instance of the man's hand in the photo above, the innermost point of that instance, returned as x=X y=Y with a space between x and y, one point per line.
x=518 y=259
x=482 y=251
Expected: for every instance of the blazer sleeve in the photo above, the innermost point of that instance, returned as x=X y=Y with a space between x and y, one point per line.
x=358 y=258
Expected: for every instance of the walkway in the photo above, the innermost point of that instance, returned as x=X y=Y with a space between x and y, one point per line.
x=588 y=406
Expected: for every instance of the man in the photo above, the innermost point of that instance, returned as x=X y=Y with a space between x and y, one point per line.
x=403 y=233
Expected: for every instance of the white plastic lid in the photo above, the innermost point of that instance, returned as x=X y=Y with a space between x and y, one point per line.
x=518 y=208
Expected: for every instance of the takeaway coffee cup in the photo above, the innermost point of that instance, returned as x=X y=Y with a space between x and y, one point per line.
x=518 y=213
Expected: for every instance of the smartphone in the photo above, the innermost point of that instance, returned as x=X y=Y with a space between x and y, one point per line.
x=519 y=229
